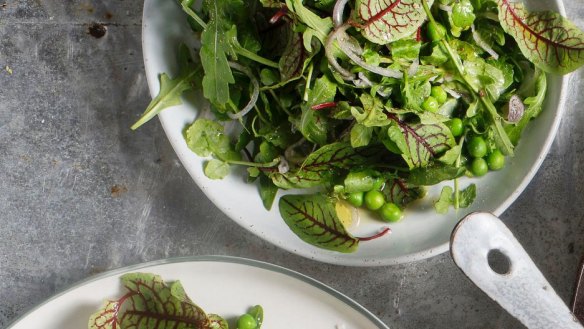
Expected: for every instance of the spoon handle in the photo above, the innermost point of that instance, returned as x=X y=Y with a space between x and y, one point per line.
x=520 y=288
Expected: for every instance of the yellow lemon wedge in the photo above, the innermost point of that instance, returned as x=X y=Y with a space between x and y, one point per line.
x=347 y=214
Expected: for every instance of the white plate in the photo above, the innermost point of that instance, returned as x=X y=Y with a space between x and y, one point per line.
x=421 y=234
x=227 y=286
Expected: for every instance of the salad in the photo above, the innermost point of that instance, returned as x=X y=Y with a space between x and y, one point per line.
x=365 y=103
x=151 y=303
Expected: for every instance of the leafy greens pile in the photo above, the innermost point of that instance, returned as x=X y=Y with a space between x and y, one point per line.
x=152 y=304
x=369 y=100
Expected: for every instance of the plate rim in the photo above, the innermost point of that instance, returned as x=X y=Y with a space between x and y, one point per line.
x=215 y=259
x=436 y=250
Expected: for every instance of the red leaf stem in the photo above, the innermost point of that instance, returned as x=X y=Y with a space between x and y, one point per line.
x=383 y=232
x=322 y=106
x=278 y=15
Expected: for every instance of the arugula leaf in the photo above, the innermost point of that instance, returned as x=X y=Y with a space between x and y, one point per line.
x=313 y=124
x=272 y=3
x=484 y=76
x=373 y=112
x=168 y=96
x=450 y=156
x=361 y=135
x=414 y=93
x=434 y=174
x=447 y=198
x=313 y=219
x=268 y=191
x=214 y=49
x=317 y=26
x=324 y=91
x=491 y=32
x=437 y=57
x=171 y=89
x=443 y=203
x=408 y=49
x=467 y=196
x=323 y=4
x=547 y=39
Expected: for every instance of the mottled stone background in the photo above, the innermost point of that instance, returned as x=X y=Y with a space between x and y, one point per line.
x=80 y=193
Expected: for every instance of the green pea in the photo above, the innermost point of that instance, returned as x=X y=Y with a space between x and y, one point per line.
x=430 y=104
x=356 y=199
x=477 y=147
x=436 y=31
x=439 y=94
x=456 y=127
x=374 y=200
x=496 y=160
x=246 y=321
x=479 y=167
x=390 y=212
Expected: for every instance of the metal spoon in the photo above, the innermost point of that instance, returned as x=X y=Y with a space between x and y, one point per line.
x=520 y=288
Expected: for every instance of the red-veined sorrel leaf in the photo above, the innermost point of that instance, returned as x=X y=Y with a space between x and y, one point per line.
x=151 y=304
x=293 y=57
x=217 y=322
x=400 y=192
x=549 y=40
x=384 y=21
x=313 y=219
x=418 y=142
x=317 y=168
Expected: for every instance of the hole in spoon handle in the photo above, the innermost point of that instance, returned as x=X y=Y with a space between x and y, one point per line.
x=520 y=288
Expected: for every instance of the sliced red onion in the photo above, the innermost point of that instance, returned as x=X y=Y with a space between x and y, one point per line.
x=481 y=43
x=451 y=92
x=283 y=166
x=414 y=67
x=365 y=80
x=383 y=92
x=445 y=8
x=328 y=48
x=255 y=93
x=515 y=109
x=355 y=58
x=338 y=11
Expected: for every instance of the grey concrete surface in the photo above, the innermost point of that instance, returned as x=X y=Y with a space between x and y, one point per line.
x=81 y=194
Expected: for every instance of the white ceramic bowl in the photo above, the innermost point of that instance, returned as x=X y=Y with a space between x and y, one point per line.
x=421 y=234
